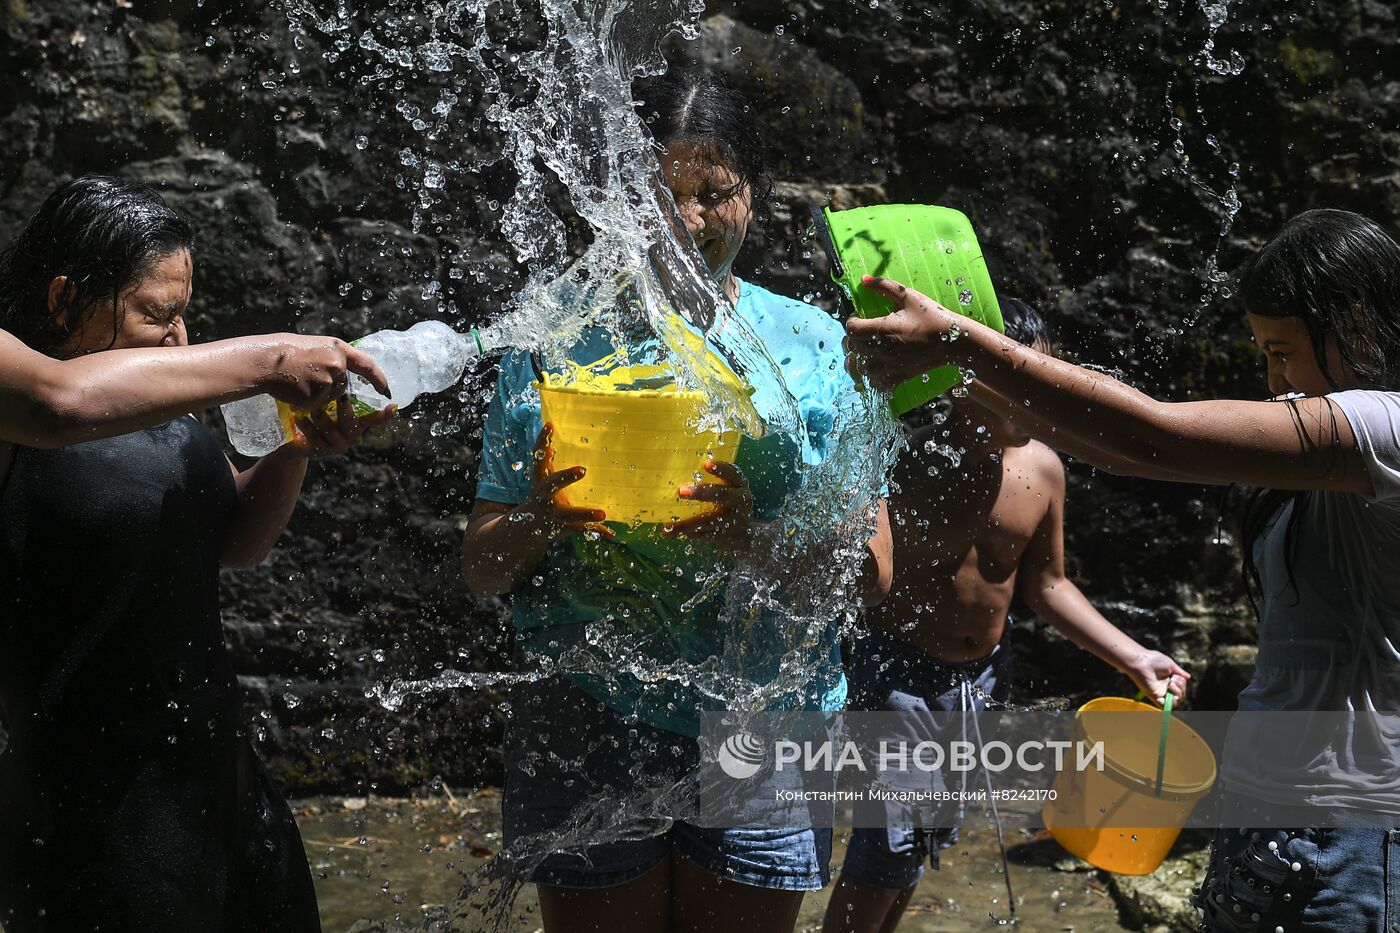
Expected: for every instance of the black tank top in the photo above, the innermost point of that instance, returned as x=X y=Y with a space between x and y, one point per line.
x=129 y=796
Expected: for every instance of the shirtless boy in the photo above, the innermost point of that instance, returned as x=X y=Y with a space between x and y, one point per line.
x=968 y=538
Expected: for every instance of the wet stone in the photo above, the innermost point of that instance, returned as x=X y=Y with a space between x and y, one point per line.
x=1162 y=900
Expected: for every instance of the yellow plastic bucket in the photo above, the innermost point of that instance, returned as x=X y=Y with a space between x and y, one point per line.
x=638 y=445
x=1092 y=811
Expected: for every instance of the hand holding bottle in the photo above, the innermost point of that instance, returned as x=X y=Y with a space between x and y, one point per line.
x=312 y=371
x=335 y=428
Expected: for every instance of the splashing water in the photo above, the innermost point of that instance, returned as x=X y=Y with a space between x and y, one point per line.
x=946 y=451
x=557 y=78
x=393 y=695
x=1216 y=15
x=564 y=113
x=1223 y=201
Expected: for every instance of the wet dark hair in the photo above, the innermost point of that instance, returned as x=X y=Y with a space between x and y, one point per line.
x=1023 y=323
x=102 y=234
x=697 y=107
x=1340 y=273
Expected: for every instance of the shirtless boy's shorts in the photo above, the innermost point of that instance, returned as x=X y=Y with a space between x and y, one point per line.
x=887 y=674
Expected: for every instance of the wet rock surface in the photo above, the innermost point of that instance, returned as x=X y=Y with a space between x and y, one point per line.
x=1090 y=142
x=1161 y=902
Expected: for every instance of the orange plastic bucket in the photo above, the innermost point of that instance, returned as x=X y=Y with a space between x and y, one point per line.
x=1116 y=819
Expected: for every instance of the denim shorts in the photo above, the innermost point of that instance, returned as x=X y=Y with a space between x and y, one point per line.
x=1308 y=879
x=589 y=793
x=887 y=674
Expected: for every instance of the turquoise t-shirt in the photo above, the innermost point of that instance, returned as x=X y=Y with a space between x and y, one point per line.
x=637 y=621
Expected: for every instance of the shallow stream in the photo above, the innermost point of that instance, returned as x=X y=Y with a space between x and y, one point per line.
x=396 y=861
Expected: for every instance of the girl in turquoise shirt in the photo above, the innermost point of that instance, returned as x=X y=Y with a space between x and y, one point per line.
x=633 y=643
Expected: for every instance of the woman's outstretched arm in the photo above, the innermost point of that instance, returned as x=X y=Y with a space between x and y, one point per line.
x=46 y=402
x=1298 y=444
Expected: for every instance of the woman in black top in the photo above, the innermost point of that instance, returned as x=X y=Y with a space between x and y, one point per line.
x=130 y=796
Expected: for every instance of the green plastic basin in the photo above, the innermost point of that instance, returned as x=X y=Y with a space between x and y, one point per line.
x=931 y=249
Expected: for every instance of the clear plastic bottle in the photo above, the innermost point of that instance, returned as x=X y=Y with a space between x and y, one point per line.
x=428 y=357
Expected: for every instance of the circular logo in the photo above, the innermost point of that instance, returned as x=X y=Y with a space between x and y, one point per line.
x=741 y=755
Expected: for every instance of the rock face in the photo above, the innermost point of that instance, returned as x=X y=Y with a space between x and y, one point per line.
x=1090 y=142
x=1161 y=902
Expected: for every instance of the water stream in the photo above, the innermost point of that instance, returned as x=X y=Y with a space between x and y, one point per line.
x=382 y=863
x=558 y=75
x=1219 y=195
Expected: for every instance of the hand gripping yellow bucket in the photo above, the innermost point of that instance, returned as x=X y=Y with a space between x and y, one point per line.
x=634 y=431
x=1125 y=818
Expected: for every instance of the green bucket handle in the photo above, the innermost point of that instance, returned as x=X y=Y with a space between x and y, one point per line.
x=1161 y=742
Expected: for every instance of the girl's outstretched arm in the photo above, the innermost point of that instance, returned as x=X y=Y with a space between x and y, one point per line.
x=1050 y=435
x=46 y=402
x=1298 y=444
